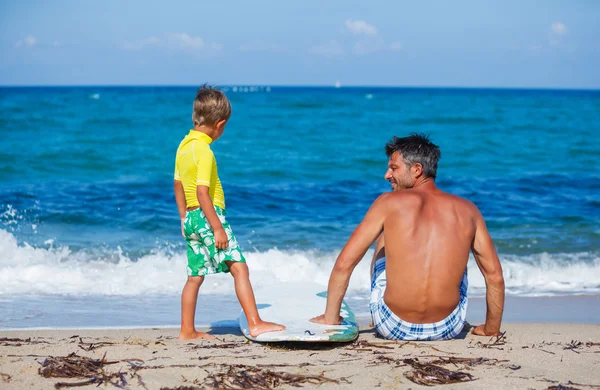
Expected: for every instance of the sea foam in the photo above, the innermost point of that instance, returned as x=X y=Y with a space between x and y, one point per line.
x=25 y=269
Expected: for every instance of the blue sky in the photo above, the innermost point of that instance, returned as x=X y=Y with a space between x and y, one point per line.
x=313 y=42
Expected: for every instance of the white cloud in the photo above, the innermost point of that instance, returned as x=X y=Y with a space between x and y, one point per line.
x=260 y=46
x=185 y=41
x=367 y=46
x=29 y=41
x=329 y=49
x=138 y=45
x=174 y=41
x=558 y=31
x=360 y=27
x=559 y=28
x=395 y=46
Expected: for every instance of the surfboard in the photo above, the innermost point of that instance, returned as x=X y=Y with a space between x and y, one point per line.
x=293 y=305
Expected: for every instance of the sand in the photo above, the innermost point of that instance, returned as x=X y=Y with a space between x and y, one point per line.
x=529 y=356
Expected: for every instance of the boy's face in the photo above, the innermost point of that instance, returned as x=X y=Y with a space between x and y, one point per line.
x=219 y=129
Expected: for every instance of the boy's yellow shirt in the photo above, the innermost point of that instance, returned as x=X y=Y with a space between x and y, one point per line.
x=195 y=165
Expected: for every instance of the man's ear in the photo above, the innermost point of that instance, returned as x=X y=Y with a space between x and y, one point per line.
x=416 y=170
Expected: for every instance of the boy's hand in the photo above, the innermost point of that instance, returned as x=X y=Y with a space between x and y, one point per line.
x=221 y=241
x=183 y=228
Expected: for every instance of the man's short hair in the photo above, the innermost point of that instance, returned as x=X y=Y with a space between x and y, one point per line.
x=210 y=106
x=416 y=148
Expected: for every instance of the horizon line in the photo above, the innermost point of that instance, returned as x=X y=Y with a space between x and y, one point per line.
x=328 y=86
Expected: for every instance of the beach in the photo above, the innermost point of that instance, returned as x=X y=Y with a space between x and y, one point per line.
x=526 y=356
x=92 y=259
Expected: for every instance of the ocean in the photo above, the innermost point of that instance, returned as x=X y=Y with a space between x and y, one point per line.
x=89 y=230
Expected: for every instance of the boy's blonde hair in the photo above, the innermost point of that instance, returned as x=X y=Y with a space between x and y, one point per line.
x=210 y=106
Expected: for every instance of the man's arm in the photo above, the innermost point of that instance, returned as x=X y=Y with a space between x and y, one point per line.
x=354 y=250
x=207 y=207
x=180 y=199
x=489 y=265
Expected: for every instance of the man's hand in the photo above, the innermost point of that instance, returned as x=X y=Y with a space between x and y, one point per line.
x=183 y=228
x=221 y=241
x=480 y=331
x=321 y=320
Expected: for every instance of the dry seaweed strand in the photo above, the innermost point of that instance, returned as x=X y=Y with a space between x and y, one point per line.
x=16 y=342
x=5 y=377
x=220 y=346
x=364 y=345
x=568 y=385
x=74 y=366
x=240 y=376
x=494 y=342
x=230 y=357
x=429 y=375
x=92 y=346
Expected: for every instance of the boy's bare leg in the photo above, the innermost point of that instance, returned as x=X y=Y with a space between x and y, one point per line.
x=189 y=297
x=243 y=290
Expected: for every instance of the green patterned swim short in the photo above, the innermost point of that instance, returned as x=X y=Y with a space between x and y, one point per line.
x=203 y=256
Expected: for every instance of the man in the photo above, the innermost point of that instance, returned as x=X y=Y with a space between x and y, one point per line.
x=419 y=270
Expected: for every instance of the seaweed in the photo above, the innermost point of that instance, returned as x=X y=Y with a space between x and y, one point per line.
x=429 y=374
x=5 y=377
x=16 y=342
x=92 y=346
x=219 y=346
x=494 y=342
x=240 y=376
x=180 y=388
x=74 y=366
x=363 y=345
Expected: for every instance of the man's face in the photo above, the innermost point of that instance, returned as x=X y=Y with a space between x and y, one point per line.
x=398 y=173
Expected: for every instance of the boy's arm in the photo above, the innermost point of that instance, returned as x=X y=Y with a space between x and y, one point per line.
x=180 y=199
x=354 y=250
x=489 y=265
x=207 y=207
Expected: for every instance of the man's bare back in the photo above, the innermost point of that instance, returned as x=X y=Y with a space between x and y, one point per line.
x=427 y=236
x=426 y=240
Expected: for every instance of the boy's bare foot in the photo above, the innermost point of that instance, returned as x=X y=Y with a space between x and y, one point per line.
x=195 y=335
x=264 y=327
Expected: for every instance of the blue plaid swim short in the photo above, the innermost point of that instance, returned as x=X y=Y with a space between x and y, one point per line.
x=391 y=327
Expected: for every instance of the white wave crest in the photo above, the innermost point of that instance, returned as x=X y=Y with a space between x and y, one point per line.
x=58 y=270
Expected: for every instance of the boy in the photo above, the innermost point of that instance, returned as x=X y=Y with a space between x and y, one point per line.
x=212 y=247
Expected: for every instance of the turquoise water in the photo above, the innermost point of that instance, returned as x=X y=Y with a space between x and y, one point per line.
x=86 y=203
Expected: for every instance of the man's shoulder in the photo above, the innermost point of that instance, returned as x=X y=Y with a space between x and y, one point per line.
x=398 y=198
x=465 y=206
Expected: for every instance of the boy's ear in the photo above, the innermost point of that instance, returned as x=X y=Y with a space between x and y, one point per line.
x=221 y=124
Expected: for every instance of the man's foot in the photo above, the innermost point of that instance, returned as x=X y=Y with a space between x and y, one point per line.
x=264 y=327
x=195 y=335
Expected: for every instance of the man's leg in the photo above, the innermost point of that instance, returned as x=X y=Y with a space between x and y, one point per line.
x=243 y=290
x=189 y=297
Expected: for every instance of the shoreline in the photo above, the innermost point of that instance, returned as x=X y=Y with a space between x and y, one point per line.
x=580 y=309
x=528 y=355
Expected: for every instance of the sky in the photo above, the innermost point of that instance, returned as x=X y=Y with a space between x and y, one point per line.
x=522 y=44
